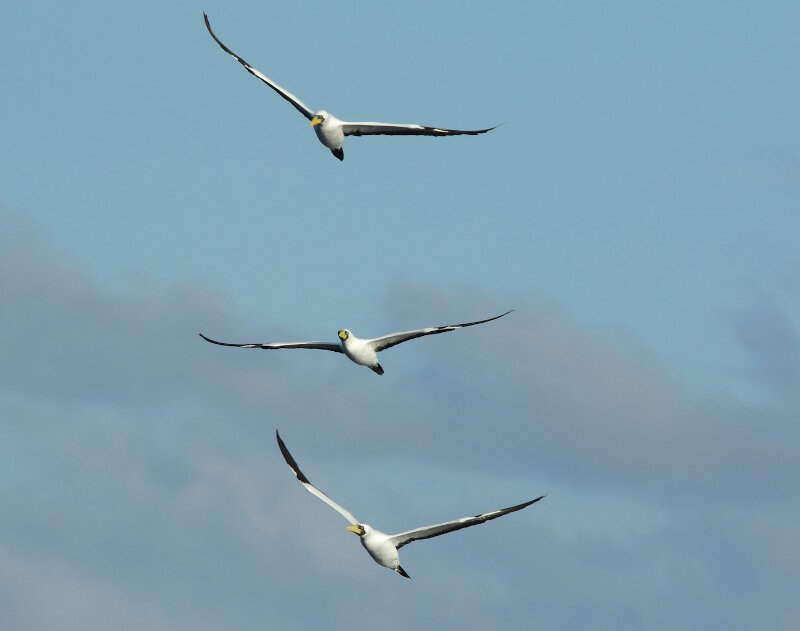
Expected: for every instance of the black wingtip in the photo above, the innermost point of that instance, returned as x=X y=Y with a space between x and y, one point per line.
x=286 y=455
x=526 y=504
x=290 y=460
x=477 y=132
x=488 y=129
x=497 y=317
x=512 y=509
x=281 y=444
x=402 y=572
x=492 y=319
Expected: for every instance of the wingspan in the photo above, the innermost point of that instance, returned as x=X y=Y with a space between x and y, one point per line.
x=297 y=103
x=401 y=129
x=426 y=532
x=310 y=487
x=322 y=346
x=393 y=339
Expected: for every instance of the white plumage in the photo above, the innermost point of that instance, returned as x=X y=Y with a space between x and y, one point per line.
x=330 y=130
x=381 y=546
x=361 y=351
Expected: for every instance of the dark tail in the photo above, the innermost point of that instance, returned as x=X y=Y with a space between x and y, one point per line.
x=339 y=153
x=377 y=369
x=402 y=572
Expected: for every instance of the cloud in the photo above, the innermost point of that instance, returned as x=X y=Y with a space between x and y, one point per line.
x=773 y=343
x=601 y=408
x=142 y=487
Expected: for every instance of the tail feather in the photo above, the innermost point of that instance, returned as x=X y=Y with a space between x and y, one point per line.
x=402 y=572
x=376 y=369
x=339 y=153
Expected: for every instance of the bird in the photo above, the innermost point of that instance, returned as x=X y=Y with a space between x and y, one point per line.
x=383 y=547
x=361 y=351
x=330 y=130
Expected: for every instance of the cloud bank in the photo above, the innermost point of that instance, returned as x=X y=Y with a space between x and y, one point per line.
x=142 y=487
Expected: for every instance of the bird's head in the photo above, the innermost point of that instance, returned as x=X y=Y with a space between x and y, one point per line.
x=319 y=118
x=359 y=529
x=344 y=334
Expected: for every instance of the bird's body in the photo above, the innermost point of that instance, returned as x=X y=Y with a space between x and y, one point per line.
x=361 y=351
x=379 y=546
x=383 y=547
x=330 y=130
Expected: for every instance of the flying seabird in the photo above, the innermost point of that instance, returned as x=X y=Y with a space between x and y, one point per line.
x=330 y=130
x=381 y=546
x=364 y=352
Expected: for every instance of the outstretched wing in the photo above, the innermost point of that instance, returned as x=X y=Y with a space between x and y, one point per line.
x=310 y=487
x=402 y=129
x=401 y=539
x=297 y=103
x=322 y=346
x=393 y=339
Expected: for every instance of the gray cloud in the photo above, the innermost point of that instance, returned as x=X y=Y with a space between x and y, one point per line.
x=142 y=487
x=602 y=408
x=773 y=343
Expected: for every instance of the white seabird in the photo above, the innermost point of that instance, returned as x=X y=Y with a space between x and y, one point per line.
x=330 y=130
x=381 y=546
x=361 y=351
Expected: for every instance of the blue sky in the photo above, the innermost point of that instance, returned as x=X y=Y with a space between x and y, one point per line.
x=638 y=208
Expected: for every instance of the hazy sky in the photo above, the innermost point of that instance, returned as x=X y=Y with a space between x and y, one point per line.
x=638 y=208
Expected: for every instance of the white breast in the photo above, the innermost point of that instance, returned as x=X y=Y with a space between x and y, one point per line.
x=360 y=351
x=380 y=549
x=330 y=132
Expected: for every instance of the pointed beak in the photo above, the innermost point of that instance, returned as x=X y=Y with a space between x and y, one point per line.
x=342 y=335
x=316 y=121
x=356 y=530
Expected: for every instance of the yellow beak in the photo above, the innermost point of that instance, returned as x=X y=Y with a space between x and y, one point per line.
x=342 y=335
x=355 y=529
x=316 y=121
